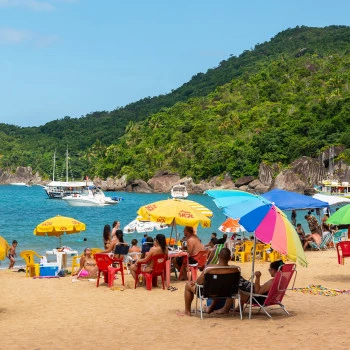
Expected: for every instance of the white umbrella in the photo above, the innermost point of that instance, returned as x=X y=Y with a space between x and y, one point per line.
x=143 y=226
x=331 y=200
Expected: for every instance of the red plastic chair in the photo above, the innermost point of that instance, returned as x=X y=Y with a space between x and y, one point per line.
x=343 y=251
x=277 y=290
x=159 y=262
x=104 y=263
x=201 y=258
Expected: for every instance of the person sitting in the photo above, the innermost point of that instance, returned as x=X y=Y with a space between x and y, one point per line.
x=193 y=246
x=301 y=233
x=106 y=236
x=146 y=246
x=258 y=288
x=134 y=251
x=190 y=289
x=159 y=247
x=88 y=267
x=119 y=239
x=313 y=237
x=211 y=248
x=213 y=235
x=223 y=239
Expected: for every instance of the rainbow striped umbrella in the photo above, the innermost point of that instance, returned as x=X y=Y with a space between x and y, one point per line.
x=256 y=214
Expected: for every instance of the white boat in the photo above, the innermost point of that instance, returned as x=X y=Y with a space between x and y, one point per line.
x=18 y=184
x=179 y=191
x=60 y=189
x=91 y=196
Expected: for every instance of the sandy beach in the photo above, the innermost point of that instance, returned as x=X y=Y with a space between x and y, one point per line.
x=59 y=314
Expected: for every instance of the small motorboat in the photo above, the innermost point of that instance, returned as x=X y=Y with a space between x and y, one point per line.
x=91 y=197
x=179 y=191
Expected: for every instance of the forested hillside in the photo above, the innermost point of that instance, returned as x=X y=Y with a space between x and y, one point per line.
x=286 y=98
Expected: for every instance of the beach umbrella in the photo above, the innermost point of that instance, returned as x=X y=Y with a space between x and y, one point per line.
x=341 y=216
x=267 y=221
x=58 y=226
x=230 y=226
x=140 y=226
x=4 y=248
x=331 y=200
x=176 y=212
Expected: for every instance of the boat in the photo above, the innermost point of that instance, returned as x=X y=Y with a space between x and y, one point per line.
x=91 y=196
x=60 y=189
x=333 y=187
x=179 y=191
x=18 y=184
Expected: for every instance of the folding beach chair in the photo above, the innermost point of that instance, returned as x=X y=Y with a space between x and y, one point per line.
x=215 y=258
x=219 y=283
x=277 y=291
x=323 y=245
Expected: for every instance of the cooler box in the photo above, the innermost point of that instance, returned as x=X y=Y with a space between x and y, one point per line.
x=48 y=269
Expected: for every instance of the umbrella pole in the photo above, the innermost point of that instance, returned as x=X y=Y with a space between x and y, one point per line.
x=252 y=279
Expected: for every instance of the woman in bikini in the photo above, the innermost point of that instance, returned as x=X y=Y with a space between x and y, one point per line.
x=159 y=247
x=106 y=236
x=88 y=267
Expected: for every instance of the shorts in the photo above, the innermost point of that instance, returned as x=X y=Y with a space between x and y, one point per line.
x=11 y=256
x=191 y=261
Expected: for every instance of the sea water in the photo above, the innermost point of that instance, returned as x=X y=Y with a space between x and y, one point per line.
x=23 y=208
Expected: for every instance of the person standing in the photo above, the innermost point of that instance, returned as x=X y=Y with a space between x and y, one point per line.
x=294 y=217
x=12 y=254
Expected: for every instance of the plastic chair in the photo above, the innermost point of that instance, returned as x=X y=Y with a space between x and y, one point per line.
x=201 y=258
x=219 y=284
x=259 y=251
x=159 y=262
x=104 y=263
x=277 y=290
x=31 y=267
x=245 y=252
x=343 y=251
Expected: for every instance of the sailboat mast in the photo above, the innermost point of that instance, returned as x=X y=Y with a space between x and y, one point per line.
x=54 y=166
x=67 y=165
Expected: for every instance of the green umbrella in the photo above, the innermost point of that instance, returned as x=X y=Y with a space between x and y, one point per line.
x=341 y=216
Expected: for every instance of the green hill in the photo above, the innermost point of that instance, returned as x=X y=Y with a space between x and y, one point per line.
x=286 y=98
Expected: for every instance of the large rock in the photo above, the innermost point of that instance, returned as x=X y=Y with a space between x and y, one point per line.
x=244 y=180
x=139 y=186
x=22 y=174
x=266 y=173
x=288 y=180
x=163 y=182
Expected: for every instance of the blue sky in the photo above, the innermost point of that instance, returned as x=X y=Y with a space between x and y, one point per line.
x=72 y=57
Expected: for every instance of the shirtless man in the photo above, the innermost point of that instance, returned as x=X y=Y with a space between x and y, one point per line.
x=194 y=246
x=190 y=289
x=314 y=237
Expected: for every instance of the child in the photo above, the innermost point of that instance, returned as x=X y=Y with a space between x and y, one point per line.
x=12 y=254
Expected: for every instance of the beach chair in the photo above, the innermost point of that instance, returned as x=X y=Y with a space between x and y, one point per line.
x=277 y=291
x=323 y=245
x=201 y=259
x=336 y=238
x=259 y=251
x=219 y=283
x=104 y=263
x=215 y=258
x=343 y=251
x=159 y=262
x=31 y=267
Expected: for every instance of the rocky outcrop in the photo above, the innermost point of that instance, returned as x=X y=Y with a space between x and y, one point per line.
x=163 y=181
x=111 y=184
x=138 y=186
x=267 y=173
x=244 y=180
x=22 y=174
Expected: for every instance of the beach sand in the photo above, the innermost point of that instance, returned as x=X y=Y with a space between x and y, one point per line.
x=59 y=314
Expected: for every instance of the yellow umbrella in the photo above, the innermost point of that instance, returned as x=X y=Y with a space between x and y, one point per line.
x=176 y=212
x=58 y=225
x=4 y=248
